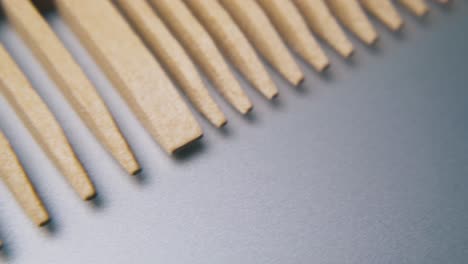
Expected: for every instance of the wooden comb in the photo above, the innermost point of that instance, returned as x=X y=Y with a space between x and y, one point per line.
x=177 y=31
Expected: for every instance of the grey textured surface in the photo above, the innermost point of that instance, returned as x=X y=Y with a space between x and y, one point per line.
x=366 y=164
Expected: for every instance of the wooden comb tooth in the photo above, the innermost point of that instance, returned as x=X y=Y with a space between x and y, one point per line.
x=289 y=22
x=16 y=180
x=133 y=70
x=257 y=27
x=385 y=11
x=173 y=56
x=234 y=44
x=353 y=17
x=42 y=125
x=203 y=50
x=322 y=22
x=417 y=7
x=69 y=77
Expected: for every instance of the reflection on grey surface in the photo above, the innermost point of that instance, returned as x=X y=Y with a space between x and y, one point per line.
x=366 y=164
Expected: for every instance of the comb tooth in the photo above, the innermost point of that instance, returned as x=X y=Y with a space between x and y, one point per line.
x=289 y=22
x=173 y=56
x=353 y=17
x=203 y=50
x=42 y=125
x=69 y=77
x=233 y=43
x=385 y=12
x=258 y=28
x=133 y=70
x=417 y=7
x=13 y=175
x=322 y=22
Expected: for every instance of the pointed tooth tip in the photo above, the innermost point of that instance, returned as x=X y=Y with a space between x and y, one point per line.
x=273 y=95
x=135 y=171
x=347 y=53
x=247 y=109
x=90 y=196
x=372 y=40
x=397 y=26
x=298 y=80
x=324 y=66
x=220 y=123
x=43 y=222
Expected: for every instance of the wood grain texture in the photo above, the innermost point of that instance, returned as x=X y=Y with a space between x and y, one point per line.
x=172 y=55
x=133 y=70
x=42 y=125
x=417 y=7
x=233 y=43
x=289 y=22
x=385 y=11
x=323 y=23
x=18 y=183
x=69 y=77
x=259 y=30
x=203 y=50
x=350 y=13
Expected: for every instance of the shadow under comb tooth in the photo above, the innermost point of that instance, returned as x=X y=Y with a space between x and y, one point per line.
x=417 y=7
x=233 y=43
x=18 y=183
x=69 y=77
x=257 y=27
x=385 y=12
x=173 y=56
x=133 y=70
x=350 y=13
x=322 y=22
x=42 y=124
x=203 y=50
x=289 y=22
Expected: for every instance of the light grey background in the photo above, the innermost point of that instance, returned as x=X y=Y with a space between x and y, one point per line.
x=365 y=164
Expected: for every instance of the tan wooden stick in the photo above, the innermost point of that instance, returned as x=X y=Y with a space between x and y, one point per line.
x=289 y=22
x=42 y=125
x=203 y=50
x=385 y=11
x=173 y=56
x=259 y=30
x=233 y=43
x=69 y=77
x=352 y=16
x=133 y=70
x=322 y=22
x=417 y=7
x=13 y=175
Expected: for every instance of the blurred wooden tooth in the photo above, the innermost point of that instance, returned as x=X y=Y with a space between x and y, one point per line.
x=417 y=7
x=322 y=22
x=69 y=77
x=203 y=50
x=289 y=22
x=259 y=30
x=42 y=124
x=385 y=11
x=16 y=180
x=173 y=56
x=233 y=43
x=133 y=70
x=353 y=17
